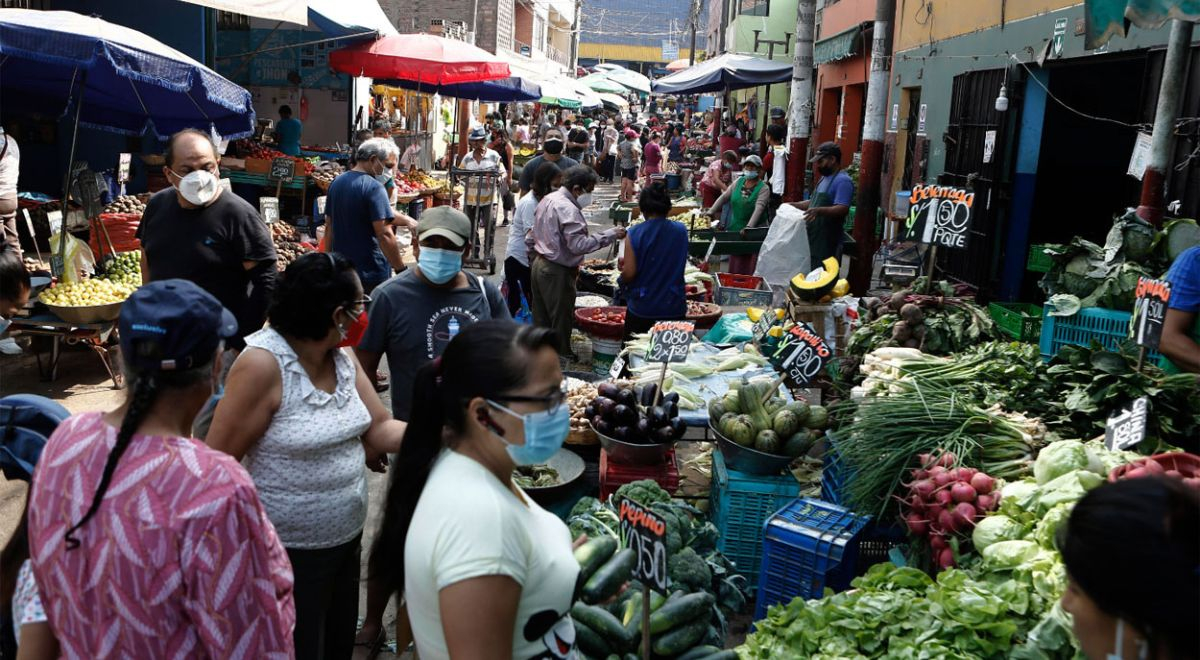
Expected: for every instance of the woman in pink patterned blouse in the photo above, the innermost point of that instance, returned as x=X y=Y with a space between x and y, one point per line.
x=145 y=543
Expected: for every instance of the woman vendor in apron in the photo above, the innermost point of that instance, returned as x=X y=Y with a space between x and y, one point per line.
x=748 y=199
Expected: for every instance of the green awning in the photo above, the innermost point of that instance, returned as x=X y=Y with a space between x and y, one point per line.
x=838 y=47
x=1105 y=19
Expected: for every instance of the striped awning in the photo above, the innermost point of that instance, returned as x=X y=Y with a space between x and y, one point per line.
x=840 y=46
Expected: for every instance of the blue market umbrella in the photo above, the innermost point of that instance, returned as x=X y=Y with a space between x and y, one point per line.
x=505 y=90
x=728 y=71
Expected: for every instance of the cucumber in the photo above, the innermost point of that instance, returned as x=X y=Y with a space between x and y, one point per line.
x=727 y=654
x=680 y=639
x=593 y=554
x=607 y=579
x=680 y=611
x=606 y=625
x=699 y=652
x=590 y=642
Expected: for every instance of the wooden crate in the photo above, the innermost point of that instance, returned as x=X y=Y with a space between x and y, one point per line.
x=258 y=166
x=818 y=316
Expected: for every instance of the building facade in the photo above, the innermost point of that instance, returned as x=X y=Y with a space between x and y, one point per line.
x=639 y=35
x=842 y=55
x=763 y=28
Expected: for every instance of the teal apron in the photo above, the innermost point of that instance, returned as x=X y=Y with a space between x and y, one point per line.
x=824 y=234
x=1169 y=367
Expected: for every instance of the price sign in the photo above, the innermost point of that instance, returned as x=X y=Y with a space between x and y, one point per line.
x=1128 y=427
x=645 y=532
x=1150 y=311
x=939 y=215
x=123 y=167
x=712 y=245
x=55 y=220
x=801 y=354
x=283 y=169
x=670 y=341
x=268 y=208
x=617 y=367
x=763 y=326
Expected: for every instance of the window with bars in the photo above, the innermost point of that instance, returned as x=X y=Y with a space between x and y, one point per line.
x=754 y=7
x=23 y=4
x=227 y=20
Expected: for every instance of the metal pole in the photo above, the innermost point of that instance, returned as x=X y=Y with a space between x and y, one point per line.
x=800 y=116
x=1162 y=141
x=872 y=148
x=695 y=15
x=66 y=198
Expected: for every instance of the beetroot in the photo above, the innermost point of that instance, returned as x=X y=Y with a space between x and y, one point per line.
x=963 y=516
x=916 y=503
x=945 y=559
x=985 y=502
x=925 y=460
x=946 y=460
x=965 y=473
x=917 y=525
x=923 y=488
x=942 y=479
x=920 y=474
x=945 y=520
x=962 y=492
x=943 y=497
x=982 y=483
x=937 y=542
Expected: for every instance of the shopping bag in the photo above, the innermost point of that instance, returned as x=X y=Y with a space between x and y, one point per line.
x=785 y=249
x=78 y=259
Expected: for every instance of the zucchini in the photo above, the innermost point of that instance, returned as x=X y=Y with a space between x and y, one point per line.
x=680 y=639
x=727 y=654
x=680 y=611
x=590 y=642
x=592 y=555
x=606 y=625
x=699 y=652
x=607 y=579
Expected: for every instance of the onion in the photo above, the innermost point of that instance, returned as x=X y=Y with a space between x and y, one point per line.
x=946 y=558
x=946 y=460
x=943 y=497
x=963 y=516
x=985 y=503
x=923 y=488
x=938 y=542
x=962 y=492
x=918 y=475
x=936 y=470
x=917 y=525
x=982 y=483
x=925 y=460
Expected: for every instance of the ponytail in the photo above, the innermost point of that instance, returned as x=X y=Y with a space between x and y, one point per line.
x=486 y=359
x=145 y=392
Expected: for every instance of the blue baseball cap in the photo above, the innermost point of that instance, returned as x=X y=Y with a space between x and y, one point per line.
x=172 y=325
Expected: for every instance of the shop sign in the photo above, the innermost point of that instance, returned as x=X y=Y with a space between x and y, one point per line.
x=268 y=209
x=670 y=341
x=645 y=532
x=921 y=118
x=801 y=354
x=939 y=215
x=1140 y=157
x=1060 y=33
x=283 y=169
x=670 y=50
x=1150 y=311
x=1128 y=427
x=123 y=167
x=989 y=146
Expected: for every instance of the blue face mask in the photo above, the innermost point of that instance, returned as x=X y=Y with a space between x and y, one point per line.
x=439 y=266
x=545 y=432
x=751 y=175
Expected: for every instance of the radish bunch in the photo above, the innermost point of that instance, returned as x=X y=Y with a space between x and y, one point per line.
x=944 y=501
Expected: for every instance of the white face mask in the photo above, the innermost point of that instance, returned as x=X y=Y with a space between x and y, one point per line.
x=584 y=200
x=199 y=187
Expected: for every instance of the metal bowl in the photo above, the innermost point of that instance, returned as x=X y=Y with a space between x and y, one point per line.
x=749 y=459
x=85 y=315
x=569 y=466
x=634 y=454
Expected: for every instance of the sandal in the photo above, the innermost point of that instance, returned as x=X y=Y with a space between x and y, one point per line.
x=373 y=647
x=381 y=382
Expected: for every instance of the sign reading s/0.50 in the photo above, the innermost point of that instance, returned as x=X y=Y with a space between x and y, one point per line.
x=645 y=532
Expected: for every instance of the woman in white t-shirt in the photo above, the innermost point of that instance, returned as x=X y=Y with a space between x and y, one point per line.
x=485 y=568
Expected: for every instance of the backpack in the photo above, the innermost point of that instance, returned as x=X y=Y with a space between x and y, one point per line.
x=26 y=423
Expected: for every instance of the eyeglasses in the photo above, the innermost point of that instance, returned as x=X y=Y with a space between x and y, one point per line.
x=361 y=302
x=552 y=401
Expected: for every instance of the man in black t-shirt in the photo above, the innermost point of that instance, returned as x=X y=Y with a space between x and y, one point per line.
x=199 y=232
x=577 y=142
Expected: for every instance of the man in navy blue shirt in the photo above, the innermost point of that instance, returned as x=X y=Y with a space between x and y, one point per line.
x=826 y=210
x=358 y=216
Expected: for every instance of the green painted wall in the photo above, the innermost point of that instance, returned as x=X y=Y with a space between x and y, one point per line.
x=780 y=21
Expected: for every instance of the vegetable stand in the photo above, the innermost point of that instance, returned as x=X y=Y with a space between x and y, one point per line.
x=726 y=242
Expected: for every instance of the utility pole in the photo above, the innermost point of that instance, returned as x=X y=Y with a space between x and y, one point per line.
x=575 y=38
x=694 y=16
x=800 y=113
x=1162 y=141
x=872 y=149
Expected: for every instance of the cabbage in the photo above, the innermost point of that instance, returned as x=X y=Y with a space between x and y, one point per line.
x=1059 y=458
x=1004 y=555
x=994 y=529
x=1067 y=488
x=1047 y=528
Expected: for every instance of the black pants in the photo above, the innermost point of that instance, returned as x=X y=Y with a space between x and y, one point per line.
x=606 y=167
x=326 y=593
x=516 y=274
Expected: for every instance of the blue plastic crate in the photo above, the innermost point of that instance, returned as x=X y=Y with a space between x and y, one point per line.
x=1107 y=326
x=808 y=545
x=741 y=503
x=834 y=475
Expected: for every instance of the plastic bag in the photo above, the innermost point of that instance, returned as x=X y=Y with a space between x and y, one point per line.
x=79 y=259
x=785 y=249
x=730 y=329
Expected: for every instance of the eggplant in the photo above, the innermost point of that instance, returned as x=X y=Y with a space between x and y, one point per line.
x=604 y=406
x=589 y=411
x=678 y=426
x=623 y=414
x=671 y=410
x=664 y=434
x=601 y=425
x=658 y=417
x=648 y=393
x=627 y=397
x=643 y=427
x=621 y=433
x=608 y=390
x=671 y=397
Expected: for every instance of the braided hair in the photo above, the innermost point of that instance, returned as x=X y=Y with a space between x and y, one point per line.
x=145 y=390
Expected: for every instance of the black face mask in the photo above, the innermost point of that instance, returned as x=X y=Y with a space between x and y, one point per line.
x=553 y=147
x=826 y=170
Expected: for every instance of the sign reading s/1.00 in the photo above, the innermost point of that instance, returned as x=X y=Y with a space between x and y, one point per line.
x=1150 y=311
x=645 y=532
x=801 y=354
x=939 y=215
x=670 y=341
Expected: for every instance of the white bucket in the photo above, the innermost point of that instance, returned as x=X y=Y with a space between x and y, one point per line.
x=604 y=351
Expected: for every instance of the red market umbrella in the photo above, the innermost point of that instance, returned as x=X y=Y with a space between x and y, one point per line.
x=678 y=65
x=422 y=58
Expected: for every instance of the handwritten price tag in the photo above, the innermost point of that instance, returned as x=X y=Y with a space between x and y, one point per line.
x=801 y=354
x=283 y=169
x=645 y=532
x=763 y=326
x=670 y=341
x=617 y=367
x=1150 y=311
x=1128 y=427
x=123 y=162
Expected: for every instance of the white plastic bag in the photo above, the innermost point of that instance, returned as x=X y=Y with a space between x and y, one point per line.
x=785 y=249
x=79 y=259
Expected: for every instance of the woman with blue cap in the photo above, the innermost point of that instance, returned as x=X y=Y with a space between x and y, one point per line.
x=191 y=565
